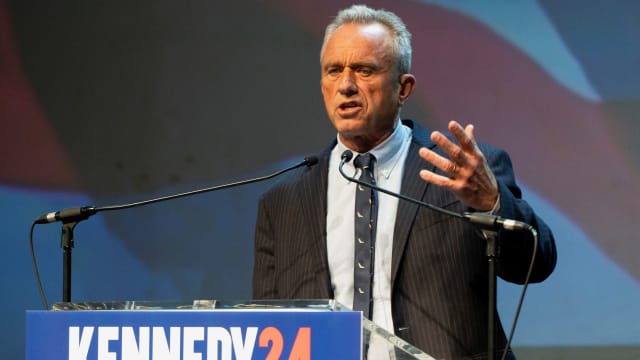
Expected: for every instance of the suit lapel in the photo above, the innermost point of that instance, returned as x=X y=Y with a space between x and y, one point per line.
x=314 y=209
x=314 y=201
x=412 y=186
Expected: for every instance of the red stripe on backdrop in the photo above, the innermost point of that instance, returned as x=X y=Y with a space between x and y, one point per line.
x=32 y=156
x=561 y=143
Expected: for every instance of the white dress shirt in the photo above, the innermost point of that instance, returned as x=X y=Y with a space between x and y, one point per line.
x=390 y=158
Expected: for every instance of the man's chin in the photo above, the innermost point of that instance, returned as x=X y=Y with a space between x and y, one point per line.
x=349 y=125
x=351 y=132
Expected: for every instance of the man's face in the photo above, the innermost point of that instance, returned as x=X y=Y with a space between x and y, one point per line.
x=360 y=85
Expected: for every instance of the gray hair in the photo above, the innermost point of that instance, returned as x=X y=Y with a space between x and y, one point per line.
x=361 y=14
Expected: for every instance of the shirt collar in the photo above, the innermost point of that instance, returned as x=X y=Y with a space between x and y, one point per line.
x=388 y=153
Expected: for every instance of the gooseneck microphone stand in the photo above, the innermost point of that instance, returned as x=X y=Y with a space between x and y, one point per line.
x=492 y=249
x=66 y=244
x=72 y=216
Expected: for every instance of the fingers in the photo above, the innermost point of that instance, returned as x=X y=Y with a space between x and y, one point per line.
x=453 y=169
x=458 y=163
x=464 y=136
x=467 y=174
x=448 y=166
x=461 y=152
x=434 y=178
x=454 y=152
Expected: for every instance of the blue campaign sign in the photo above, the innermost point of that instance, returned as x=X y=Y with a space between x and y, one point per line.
x=193 y=335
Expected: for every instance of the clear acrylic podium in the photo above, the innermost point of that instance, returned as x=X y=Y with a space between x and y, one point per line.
x=335 y=325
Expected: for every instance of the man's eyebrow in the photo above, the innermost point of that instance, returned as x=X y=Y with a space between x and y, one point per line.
x=332 y=64
x=359 y=65
x=354 y=66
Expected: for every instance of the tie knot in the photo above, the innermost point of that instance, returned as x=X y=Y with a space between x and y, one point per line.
x=364 y=161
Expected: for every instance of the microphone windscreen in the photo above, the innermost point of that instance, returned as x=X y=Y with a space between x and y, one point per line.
x=311 y=160
x=347 y=155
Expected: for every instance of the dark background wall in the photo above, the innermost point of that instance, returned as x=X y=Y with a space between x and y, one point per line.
x=106 y=102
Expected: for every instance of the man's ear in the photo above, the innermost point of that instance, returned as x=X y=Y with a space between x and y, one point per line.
x=407 y=84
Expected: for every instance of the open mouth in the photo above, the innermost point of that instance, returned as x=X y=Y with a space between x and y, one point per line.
x=349 y=105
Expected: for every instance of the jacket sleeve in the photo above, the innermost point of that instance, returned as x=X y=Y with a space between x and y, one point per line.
x=264 y=284
x=516 y=248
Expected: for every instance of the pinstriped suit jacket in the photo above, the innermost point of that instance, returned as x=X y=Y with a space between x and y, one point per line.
x=439 y=267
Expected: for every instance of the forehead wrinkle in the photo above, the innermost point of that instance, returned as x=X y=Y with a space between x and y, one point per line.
x=358 y=53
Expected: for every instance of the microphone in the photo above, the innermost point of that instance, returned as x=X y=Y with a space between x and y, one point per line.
x=82 y=213
x=481 y=220
x=494 y=222
x=71 y=214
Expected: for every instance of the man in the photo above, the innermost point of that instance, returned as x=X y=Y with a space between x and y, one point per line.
x=429 y=282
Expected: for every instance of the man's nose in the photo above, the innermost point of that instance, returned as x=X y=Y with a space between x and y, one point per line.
x=347 y=86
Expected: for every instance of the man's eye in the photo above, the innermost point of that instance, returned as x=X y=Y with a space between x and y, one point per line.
x=365 y=71
x=333 y=71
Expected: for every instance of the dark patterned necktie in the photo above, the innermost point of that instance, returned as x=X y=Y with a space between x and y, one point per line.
x=366 y=213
